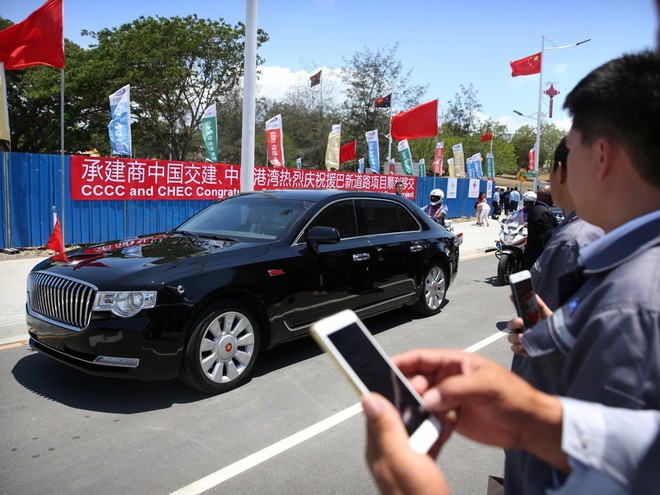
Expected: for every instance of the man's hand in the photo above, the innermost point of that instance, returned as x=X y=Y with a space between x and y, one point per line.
x=396 y=468
x=517 y=327
x=492 y=405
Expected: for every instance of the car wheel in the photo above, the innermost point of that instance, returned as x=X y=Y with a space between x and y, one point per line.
x=505 y=267
x=222 y=348
x=434 y=290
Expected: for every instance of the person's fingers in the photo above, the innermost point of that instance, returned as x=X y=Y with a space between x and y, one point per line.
x=516 y=325
x=385 y=430
x=434 y=364
x=546 y=312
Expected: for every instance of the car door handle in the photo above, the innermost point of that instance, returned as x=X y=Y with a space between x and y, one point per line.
x=361 y=257
x=416 y=248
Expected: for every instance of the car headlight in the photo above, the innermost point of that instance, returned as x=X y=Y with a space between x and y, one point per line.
x=124 y=303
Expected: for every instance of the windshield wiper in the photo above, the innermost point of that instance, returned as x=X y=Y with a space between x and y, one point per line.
x=218 y=237
x=186 y=233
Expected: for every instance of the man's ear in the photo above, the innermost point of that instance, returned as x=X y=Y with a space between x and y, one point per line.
x=562 y=173
x=606 y=153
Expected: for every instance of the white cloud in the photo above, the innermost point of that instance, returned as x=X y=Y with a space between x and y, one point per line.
x=274 y=82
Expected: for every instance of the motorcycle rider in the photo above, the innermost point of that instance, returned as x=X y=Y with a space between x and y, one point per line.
x=436 y=209
x=540 y=224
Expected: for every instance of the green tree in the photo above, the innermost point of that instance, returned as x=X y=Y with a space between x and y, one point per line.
x=462 y=114
x=368 y=75
x=34 y=105
x=176 y=67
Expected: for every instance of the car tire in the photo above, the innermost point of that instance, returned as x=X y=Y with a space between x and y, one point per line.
x=433 y=290
x=221 y=348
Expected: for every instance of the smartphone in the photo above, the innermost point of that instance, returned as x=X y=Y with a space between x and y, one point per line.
x=524 y=297
x=354 y=350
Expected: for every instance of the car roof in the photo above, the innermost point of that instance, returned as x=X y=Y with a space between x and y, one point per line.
x=316 y=194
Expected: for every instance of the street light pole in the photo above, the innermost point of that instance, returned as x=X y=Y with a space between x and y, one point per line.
x=537 y=145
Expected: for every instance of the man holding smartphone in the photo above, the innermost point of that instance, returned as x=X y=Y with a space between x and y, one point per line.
x=609 y=330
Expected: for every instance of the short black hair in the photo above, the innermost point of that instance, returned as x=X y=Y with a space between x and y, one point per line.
x=561 y=154
x=620 y=101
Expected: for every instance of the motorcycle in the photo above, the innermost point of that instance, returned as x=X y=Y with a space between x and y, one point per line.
x=510 y=246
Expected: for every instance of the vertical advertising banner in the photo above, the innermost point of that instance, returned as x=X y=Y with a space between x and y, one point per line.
x=4 y=112
x=406 y=157
x=477 y=164
x=361 y=165
x=422 y=167
x=439 y=156
x=490 y=166
x=373 y=153
x=459 y=160
x=452 y=187
x=299 y=163
x=469 y=167
x=274 y=147
x=530 y=159
x=473 y=192
x=450 y=166
x=332 y=149
x=119 y=128
x=210 y=133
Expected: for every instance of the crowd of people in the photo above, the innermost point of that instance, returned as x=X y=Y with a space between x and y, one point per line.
x=580 y=410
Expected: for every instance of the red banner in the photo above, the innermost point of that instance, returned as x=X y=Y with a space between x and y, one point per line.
x=530 y=159
x=291 y=178
x=95 y=177
x=439 y=157
x=103 y=178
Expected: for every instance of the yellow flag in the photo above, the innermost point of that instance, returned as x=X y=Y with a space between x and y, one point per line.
x=332 y=150
x=4 y=114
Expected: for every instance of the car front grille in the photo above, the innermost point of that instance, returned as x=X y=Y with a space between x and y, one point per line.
x=61 y=300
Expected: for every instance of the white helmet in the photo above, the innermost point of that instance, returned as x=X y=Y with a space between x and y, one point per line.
x=529 y=197
x=436 y=196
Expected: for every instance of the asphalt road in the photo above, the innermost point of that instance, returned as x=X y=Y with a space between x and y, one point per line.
x=293 y=429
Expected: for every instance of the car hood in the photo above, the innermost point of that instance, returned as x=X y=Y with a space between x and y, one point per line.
x=141 y=260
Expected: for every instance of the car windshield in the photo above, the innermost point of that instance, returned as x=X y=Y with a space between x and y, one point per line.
x=245 y=217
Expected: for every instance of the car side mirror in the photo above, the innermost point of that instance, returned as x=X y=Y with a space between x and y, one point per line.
x=321 y=235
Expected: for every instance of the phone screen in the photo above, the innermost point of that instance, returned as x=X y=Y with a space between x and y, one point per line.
x=377 y=375
x=528 y=310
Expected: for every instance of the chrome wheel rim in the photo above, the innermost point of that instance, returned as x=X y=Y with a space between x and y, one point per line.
x=227 y=347
x=434 y=288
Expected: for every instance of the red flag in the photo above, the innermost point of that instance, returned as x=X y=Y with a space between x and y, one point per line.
x=348 y=152
x=38 y=40
x=526 y=66
x=55 y=241
x=421 y=121
x=488 y=136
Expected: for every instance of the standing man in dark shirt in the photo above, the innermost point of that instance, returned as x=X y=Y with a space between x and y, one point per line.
x=540 y=223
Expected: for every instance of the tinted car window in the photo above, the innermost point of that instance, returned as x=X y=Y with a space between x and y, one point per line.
x=257 y=218
x=382 y=217
x=341 y=216
x=408 y=222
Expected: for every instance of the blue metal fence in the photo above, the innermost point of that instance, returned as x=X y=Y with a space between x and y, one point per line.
x=33 y=183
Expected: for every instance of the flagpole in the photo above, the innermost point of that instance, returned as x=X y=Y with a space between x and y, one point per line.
x=249 y=97
x=537 y=145
x=62 y=221
x=389 y=136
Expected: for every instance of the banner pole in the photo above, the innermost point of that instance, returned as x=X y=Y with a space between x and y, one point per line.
x=62 y=218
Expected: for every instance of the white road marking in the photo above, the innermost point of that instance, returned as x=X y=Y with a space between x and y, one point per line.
x=222 y=475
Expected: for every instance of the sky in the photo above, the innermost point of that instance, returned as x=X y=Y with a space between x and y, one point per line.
x=446 y=43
